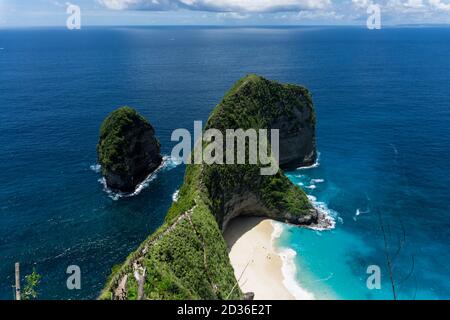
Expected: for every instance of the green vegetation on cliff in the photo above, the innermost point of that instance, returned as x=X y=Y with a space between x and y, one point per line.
x=113 y=138
x=127 y=150
x=255 y=102
x=187 y=257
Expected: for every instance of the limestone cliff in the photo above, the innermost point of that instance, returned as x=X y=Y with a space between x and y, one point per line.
x=127 y=150
x=186 y=258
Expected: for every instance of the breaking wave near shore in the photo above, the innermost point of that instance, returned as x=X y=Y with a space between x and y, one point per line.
x=168 y=163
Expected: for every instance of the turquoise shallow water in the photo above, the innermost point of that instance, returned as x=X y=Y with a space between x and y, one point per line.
x=382 y=101
x=333 y=264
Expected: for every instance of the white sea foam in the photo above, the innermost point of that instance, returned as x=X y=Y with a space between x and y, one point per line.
x=277 y=230
x=317 y=180
x=167 y=163
x=359 y=212
x=175 y=196
x=312 y=187
x=288 y=268
x=289 y=271
x=328 y=214
x=96 y=168
x=315 y=165
x=325 y=279
x=171 y=162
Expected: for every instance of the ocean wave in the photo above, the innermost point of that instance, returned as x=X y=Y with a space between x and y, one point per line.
x=315 y=165
x=96 y=168
x=277 y=230
x=171 y=162
x=168 y=163
x=359 y=212
x=327 y=215
x=288 y=268
x=175 y=196
x=317 y=180
x=289 y=271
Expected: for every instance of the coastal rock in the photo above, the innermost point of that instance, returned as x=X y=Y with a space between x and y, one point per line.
x=249 y=296
x=238 y=190
x=127 y=150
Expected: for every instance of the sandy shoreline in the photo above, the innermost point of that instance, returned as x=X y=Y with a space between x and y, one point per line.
x=257 y=265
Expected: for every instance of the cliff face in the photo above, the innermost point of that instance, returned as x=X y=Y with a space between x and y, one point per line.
x=127 y=150
x=187 y=257
x=297 y=138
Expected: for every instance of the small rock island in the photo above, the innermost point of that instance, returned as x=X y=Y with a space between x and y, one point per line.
x=128 y=150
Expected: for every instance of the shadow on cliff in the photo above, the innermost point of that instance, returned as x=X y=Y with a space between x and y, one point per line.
x=238 y=227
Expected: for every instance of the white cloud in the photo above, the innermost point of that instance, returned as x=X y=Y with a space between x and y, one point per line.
x=232 y=15
x=438 y=4
x=361 y=3
x=242 y=6
x=414 y=4
x=424 y=8
x=324 y=15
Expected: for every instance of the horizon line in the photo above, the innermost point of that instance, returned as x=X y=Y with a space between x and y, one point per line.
x=362 y=25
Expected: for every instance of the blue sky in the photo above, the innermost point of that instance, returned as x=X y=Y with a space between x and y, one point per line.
x=26 y=13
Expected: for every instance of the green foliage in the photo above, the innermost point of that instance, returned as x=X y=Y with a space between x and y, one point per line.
x=187 y=193
x=31 y=283
x=132 y=288
x=255 y=102
x=113 y=138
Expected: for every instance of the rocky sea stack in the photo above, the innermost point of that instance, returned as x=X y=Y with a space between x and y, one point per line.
x=255 y=102
x=127 y=150
x=187 y=257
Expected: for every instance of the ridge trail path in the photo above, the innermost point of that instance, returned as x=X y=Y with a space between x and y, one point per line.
x=120 y=293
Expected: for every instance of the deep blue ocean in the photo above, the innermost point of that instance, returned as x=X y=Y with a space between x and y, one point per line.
x=383 y=109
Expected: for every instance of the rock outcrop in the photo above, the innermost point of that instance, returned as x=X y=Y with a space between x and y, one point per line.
x=257 y=103
x=127 y=150
x=187 y=258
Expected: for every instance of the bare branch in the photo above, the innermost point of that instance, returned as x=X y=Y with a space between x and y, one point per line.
x=402 y=241
x=388 y=257
x=411 y=271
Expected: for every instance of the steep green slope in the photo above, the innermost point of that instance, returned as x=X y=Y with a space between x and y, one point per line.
x=187 y=258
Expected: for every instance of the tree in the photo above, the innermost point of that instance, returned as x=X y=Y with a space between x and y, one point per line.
x=31 y=282
x=391 y=257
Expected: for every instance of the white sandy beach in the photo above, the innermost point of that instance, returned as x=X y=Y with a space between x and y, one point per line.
x=257 y=265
